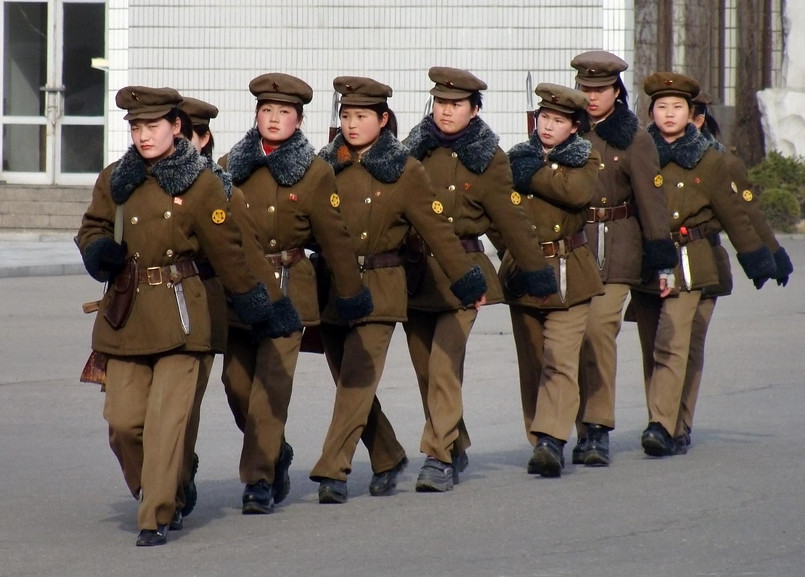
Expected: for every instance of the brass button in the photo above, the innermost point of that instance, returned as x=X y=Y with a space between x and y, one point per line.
x=454 y=155
x=277 y=275
x=367 y=200
x=603 y=200
x=134 y=220
x=136 y=255
x=675 y=215
x=167 y=215
x=272 y=242
x=364 y=236
x=449 y=219
x=557 y=228
x=529 y=196
x=554 y=166
x=601 y=166
x=680 y=185
x=272 y=209
x=169 y=253
x=247 y=205
x=533 y=227
x=451 y=188
x=377 y=193
x=615 y=158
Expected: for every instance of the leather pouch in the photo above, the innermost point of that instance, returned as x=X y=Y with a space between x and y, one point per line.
x=122 y=300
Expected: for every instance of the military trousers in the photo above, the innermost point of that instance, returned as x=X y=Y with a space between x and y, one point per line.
x=548 y=344
x=357 y=356
x=148 y=404
x=695 y=368
x=437 y=343
x=258 y=380
x=599 y=356
x=664 y=327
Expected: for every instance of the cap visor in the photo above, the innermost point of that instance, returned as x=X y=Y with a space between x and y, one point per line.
x=449 y=93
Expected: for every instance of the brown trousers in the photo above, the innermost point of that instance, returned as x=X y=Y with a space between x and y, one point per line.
x=437 y=343
x=548 y=345
x=258 y=380
x=599 y=356
x=356 y=357
x=664 y=327
x=693 y=374
x=148 y=404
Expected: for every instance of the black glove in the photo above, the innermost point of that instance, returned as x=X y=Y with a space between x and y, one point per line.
x=784 y=266
x=113 y=258
x=759 y=282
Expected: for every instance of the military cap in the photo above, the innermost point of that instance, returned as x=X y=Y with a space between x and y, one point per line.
x=360 y=91
x=454 y=84
x=598 y=68
x=703 y=98
x=662 y=84
x=145 y=103
x=200 y=112
x=281 y=88
x=561 y=98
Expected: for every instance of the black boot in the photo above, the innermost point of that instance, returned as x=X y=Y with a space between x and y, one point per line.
x=580 y=451
x=152 y=538
x=548 y=459
x=282 y=480
x=383 y=483
x=656 y=441
x=258 y=499
x=597 y=449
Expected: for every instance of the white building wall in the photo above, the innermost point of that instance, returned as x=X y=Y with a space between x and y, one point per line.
x=211 y=49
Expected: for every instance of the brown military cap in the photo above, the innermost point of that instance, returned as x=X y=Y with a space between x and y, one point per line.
x=360 y=91
x=454 y=84
x=598 y=68
x=281 y=88
x=200 y=112
x=145 y=103
x=662 y=84
x=561 y=98
x=703 y=98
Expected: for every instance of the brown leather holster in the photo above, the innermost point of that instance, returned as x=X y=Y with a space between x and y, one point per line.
x=123 y=292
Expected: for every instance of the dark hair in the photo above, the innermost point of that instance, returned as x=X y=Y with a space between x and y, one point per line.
x=380 y=108
x=187 y=124
x=300 y=112
x=579 y=116
x=201 y=130
x=623 y=95
x=710 y=123
x=476 y=99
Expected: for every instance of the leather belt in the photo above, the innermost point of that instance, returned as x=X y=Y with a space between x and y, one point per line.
x=472 y=244
x=564 y=245
x=156 y=275
x=601 y=214
x=205 y=270
x=285 y=258
x=688 y=234
x=379 y=260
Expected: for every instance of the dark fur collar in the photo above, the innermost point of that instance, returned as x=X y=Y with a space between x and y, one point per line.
x=619 y=128
x=712 y=142
x=527 y=158
x=175 y=174
x=686 y=151
x=223 y=176
x=475 y=148
x=385 y=160
x=287 y=164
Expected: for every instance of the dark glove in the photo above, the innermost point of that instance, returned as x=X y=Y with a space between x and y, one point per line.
x=283 y=320
x=113 y=258
x=759 y=282
x=784 y=266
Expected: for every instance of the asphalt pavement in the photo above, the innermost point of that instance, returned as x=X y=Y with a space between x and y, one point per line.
x=733 y=506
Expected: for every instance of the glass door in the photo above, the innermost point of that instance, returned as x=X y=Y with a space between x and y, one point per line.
x=52 y=118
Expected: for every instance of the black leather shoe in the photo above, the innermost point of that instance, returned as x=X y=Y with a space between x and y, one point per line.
x=656 y=441
x=190 y=491
x=548 y=459
x=435 y=476
x=383 y=483
x=258 y=499
x=282 y=480
x=597 y=451
x=152 y=538
x=680 y=445
x=460 y=462
x=332 y=491
x=177 y=522
x=579 y=451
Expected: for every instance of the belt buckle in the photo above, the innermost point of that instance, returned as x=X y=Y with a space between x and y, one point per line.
x=149 y=275
x=551 y=244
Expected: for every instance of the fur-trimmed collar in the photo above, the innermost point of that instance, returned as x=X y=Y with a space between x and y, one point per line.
x=686 y=151
x=619 y=128
x=527 y=158
x=385 y=160
x=287 y=164
x=223 y=176
x=175 y=174
x=475 y=148
x=712 y=142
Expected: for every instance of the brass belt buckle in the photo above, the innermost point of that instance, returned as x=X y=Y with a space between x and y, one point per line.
x=149 y=275
x=546 y=245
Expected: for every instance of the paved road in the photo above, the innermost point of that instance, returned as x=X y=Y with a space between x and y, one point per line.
x=732 y=506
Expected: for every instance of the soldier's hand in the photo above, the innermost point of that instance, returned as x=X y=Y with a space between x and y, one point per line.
x=782 y=280
x=113 y=258
x=759 y=282
x=480 y=302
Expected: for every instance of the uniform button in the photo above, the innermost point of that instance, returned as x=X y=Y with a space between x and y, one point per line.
x=136 y=255
x=277 y=275
x=247 y=205
x=554 y=166
x=167 y=215
x=169 y=253
x=367 y=200
x=364 y=236
x=272 y=209
x=680 y=185
x=449 y=219
x=454 y=155
x=529 y=196
x=451 y=188
x=603 y=200
x=601 y=166
x=675 y=215
x=272 y=242
x=557 y=228
x=615 y=158
x=377 y=193
x=606 y=229
x=533 y=227
x=134 y=220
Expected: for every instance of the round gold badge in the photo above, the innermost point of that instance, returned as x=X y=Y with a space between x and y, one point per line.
x=218 y=216
x=335 y=200
x=747 y=194
x=658 y=180
x=516 y=199
x=437 y=207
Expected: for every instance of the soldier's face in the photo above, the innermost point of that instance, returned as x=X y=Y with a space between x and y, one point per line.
x=602 y=100
x=554 y=127
x=452 y=116
x=671 y=115
x=277 y=121
x=154 y=138
x=361 y=126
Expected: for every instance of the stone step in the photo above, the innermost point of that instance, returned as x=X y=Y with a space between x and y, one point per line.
x=43 y=208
